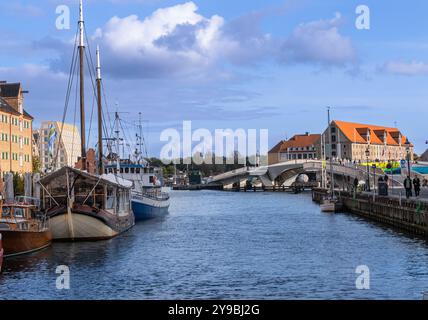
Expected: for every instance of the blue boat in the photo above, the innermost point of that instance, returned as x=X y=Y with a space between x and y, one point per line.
x=149 y=205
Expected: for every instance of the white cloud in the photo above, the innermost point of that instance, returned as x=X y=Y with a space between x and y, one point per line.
x=175 y=37
x=319 y=42
x=412 y=68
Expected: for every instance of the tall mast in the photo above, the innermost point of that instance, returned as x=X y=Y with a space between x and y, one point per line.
x=117 y=142
x=100 y=119
x=331 y=153
x=82 y=85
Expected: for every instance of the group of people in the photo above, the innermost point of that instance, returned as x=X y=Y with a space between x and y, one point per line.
x=410 y=185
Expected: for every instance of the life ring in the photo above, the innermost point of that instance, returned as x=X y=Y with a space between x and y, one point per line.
x=6 y=211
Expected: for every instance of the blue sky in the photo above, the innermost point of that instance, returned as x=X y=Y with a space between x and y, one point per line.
x=230 y=64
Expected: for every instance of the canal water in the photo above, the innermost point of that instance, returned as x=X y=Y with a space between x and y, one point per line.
x=219 y=245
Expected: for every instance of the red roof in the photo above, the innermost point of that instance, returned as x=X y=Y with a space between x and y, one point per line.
x=297 y=141
x=360 y=133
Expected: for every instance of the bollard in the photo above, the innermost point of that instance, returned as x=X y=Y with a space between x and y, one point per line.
x=28 y=185
x=8 y=189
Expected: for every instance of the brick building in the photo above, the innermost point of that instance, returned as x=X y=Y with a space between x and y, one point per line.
x=299 y=147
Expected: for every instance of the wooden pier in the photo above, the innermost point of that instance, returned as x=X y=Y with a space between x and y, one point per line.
x=410 y=215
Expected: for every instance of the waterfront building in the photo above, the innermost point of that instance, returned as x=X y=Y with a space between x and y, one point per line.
x=57 y=150
x=351 y=141
x=15 y=130
x=299 y=147
x=91 y=162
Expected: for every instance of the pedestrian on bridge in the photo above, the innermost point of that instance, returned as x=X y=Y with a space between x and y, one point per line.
x=408 y=187
x=356 y=182
x=417 y=186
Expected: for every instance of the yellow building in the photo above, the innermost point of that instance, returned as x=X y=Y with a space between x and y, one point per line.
x=15 y=130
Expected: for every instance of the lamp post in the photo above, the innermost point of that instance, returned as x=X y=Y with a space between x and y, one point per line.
x=407 y=144
x=368 y=168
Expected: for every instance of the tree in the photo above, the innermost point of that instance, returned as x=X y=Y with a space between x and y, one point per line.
x=18 y=184
x=37 y=165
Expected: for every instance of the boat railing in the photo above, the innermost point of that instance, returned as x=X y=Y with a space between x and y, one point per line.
x=151 y=195
x=23 y=200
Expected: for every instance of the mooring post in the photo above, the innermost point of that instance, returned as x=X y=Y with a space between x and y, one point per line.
x=8 y=189
x=36 y=186
x=28 y=185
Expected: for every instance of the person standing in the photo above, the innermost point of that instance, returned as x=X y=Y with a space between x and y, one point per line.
x=417 y=186
x=408 y=186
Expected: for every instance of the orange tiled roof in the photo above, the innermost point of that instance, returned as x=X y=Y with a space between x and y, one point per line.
x=357 y=133
x=299 y=140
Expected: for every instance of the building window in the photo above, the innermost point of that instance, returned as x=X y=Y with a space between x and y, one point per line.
x=333 y=146
x=333 y=129
x=333 y=138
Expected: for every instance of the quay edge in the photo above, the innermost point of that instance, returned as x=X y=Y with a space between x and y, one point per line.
x=410 y=215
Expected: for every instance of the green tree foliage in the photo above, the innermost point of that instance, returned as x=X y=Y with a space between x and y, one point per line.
x=37 y=165
x=18 y=184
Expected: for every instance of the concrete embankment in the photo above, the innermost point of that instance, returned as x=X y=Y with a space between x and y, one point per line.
x=409 y=215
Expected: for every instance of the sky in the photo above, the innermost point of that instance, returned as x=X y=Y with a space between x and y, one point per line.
x=250 y=64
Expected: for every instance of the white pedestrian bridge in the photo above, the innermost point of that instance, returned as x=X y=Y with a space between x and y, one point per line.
x=286 y=173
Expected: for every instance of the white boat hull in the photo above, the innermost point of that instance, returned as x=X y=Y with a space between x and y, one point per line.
x=75 y=227
x=330 y=206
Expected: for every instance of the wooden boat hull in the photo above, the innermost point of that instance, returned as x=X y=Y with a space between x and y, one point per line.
x=17 y=242
x=88 y=226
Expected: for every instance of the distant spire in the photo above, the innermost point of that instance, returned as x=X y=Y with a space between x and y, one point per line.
x=98 y=64
x=81 y=24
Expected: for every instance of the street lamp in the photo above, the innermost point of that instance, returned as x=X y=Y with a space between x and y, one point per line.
x=407 y=145
x=368 y=168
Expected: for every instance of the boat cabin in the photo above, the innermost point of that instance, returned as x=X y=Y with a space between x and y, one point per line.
x=141 y=175
x=70 y=186
x=20 y=216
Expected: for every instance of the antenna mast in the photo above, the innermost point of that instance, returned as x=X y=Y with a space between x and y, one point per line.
x=82 y=86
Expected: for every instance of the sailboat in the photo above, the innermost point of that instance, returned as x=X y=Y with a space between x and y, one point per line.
x=82 y=205
x=330 y=203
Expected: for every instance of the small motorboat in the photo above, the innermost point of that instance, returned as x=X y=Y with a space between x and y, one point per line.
x=330 y=204
x=1 y=253
x=24 y=229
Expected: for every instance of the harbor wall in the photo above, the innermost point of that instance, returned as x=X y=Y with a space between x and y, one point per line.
x=410 y=215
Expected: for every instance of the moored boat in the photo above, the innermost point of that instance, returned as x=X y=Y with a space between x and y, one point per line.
x=331 y=205
x=83 y=207
x=147 y=199
x=24 y=229
x=149 y=205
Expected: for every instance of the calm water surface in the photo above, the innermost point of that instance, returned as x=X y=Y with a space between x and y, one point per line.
x=218 y=245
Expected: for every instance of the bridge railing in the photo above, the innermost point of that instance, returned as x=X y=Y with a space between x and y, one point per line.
x=230 y=174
